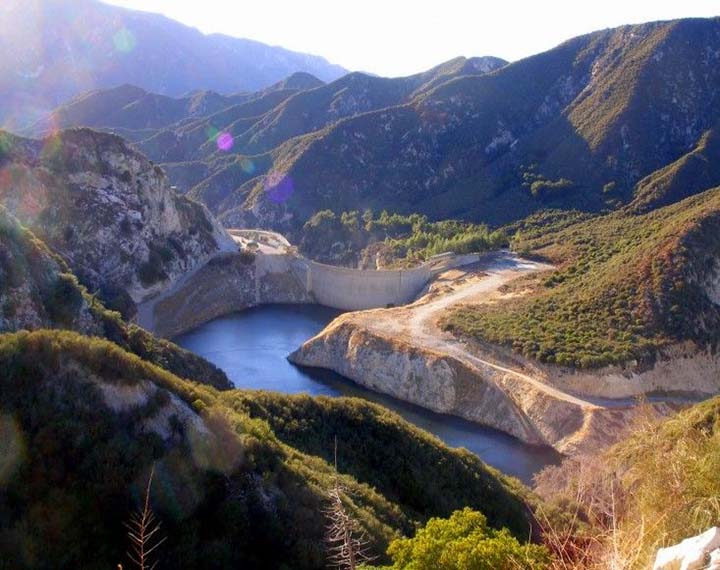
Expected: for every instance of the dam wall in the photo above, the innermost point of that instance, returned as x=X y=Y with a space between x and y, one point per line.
x=230 y=283
x=342 y=287
x=357 y=289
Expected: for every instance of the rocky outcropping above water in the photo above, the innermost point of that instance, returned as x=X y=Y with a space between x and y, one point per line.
x=108 y=211
x=486 y=394
x=227 y=283
x=401 y=352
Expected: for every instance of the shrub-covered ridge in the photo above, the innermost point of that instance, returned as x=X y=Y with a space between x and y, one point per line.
x=627 y=285
x=84 y=421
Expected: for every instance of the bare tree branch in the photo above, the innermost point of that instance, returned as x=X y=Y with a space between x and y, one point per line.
x=347 y=545
x=142 y=530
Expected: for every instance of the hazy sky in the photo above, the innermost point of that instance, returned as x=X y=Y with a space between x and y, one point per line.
x=400 y=37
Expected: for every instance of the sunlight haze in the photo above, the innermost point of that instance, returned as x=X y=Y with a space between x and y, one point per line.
x=401 y=37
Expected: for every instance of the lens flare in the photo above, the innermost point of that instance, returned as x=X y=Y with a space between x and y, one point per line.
x=20 y=186
x=12 y=448
x=279 y=187
x=124 y=41
x=51 y=146
x=174 y=486
x=218 y=448
x=225 y=142
x=247 y=165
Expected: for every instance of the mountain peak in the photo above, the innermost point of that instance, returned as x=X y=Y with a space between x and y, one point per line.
x=299 y=80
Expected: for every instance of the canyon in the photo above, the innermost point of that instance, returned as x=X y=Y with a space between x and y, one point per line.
x=401 y=351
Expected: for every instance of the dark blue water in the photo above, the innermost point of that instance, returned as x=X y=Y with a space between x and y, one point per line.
x=252 y=348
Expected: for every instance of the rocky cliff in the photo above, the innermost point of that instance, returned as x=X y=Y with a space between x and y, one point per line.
x=38 y=291
x=528 y=408
x=227 y=283
x=107 y=211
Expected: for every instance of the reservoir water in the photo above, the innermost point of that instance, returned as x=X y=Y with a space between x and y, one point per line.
x=252 y=348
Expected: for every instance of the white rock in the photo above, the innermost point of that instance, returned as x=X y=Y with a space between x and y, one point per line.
x=691 y=553
x=714 y=560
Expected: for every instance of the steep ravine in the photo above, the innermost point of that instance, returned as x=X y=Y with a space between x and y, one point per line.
x=401 y=352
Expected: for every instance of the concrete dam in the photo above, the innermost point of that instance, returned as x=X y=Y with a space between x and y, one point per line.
x=230 y=282
x=345 y=288
x=357 y=289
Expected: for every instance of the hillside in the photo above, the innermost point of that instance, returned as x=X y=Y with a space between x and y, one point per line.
x=575 y=127
x=584 y=126
x=183 y=134
x=353 y=94
x=140 y=115
x=37 y=291
x=131 y=108
x=693 y=172
x=623 y=497
x=54 y=59
x=107 y=211
x=629 y=284
x=228 y=491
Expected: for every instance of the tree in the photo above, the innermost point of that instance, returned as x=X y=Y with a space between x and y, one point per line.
x=465 y=542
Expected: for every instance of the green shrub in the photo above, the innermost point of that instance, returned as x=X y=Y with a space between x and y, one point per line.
x=408 y=239
x=465 y=542
x=63 y=300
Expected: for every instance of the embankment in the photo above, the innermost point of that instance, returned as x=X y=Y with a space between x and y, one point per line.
x=467 y=387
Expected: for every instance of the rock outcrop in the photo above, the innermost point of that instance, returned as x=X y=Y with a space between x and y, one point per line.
x=38 y=291
x=227 y=283
x=700 y=552
x=108 y=211
x=432 y=380
x=464 y=386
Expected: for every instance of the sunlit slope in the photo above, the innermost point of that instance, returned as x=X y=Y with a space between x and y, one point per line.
x=628 y=285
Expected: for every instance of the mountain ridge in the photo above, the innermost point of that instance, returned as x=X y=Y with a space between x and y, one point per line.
x=533 y=123
x=54 y=59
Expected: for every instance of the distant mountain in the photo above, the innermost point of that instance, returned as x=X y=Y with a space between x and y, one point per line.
x=61 y=48
x=580 y=126
x=575 y=127
x=139 y=114
x=182 y=134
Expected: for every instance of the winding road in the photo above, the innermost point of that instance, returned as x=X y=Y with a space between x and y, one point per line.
x=418 y=322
